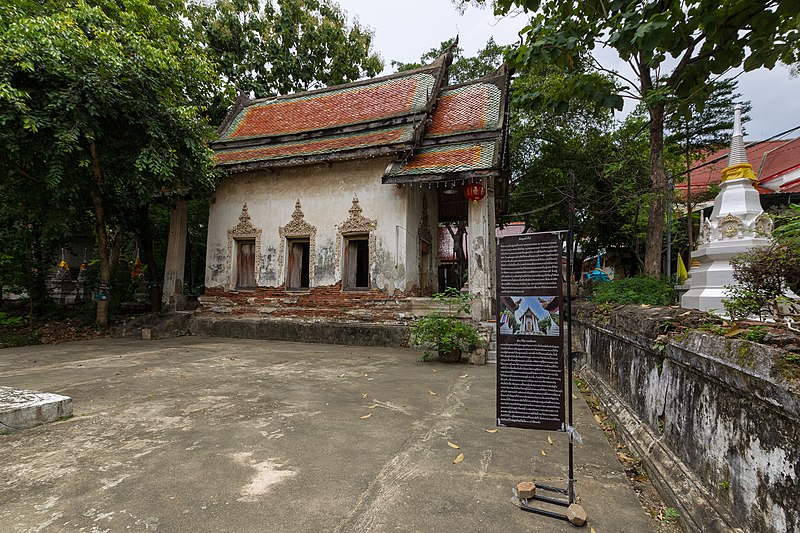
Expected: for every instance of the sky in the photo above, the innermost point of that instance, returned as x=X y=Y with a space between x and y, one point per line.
x=405 y=30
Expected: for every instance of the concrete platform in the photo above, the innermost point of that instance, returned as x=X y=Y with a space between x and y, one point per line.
x=22 y=409
x=209 y=434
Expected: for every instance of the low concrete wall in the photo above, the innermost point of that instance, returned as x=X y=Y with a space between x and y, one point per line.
x=714 y=421
x=299 y=331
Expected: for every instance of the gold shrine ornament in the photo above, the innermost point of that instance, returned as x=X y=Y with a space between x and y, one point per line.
x=735 y=172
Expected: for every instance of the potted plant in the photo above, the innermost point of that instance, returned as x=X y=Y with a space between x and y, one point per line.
x=446 y=334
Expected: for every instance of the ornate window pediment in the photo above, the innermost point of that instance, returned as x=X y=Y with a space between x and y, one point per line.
x=355 y=224
x=244 y=230
x=299 y=228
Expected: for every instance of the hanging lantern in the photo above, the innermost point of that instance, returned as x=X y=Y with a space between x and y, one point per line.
x=475 y=192
x=137 y=268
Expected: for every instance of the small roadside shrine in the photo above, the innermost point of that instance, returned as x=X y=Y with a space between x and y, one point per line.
x=333 y=197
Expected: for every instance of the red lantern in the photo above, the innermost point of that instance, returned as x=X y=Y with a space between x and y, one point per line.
x=475 y=192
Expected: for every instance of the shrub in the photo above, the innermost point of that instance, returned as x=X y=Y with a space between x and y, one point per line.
x=634 y=290
x=9 y=320
x=763 y=276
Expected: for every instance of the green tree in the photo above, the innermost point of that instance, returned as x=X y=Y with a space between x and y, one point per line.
x=282 y=46
x=104 y=99
x=673 y=49
x=463 y=69
x=551 y=144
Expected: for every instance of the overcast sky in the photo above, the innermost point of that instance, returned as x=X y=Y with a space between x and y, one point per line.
x=405 y=30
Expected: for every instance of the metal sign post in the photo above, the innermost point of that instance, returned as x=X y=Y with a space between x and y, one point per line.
x=532 y=389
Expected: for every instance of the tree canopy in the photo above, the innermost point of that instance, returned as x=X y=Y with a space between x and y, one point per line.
x=463 y=68
x=103 y=100
x=673 y=49
x=282 y=46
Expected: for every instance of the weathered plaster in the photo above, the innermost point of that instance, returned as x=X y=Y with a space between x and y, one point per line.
x=711 y=416
x=481 y=248
x=326 y=194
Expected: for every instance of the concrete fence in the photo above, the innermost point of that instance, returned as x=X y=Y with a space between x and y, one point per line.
x=713 y=419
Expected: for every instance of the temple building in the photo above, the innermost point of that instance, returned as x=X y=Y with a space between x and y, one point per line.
x=333 y=197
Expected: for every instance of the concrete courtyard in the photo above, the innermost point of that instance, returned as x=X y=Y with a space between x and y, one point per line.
x=208 y=434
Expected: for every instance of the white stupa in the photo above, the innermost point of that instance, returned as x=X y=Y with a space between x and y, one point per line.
x=737 y=224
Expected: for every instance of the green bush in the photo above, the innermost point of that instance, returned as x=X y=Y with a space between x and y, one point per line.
x=443 y=333
x=634 y=290
x=763 y=276
x=10 y=320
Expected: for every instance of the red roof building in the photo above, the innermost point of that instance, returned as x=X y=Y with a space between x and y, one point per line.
x=333 y=197
x=776 y=164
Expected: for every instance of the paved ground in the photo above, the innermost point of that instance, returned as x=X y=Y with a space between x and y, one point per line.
x=198 y=434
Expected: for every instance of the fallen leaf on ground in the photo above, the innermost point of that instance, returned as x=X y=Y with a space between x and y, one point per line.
x=591 y=530
x=598 y=419
x=435 y=370
x=364 y=394
x=490 y=430
x=453 y=445
x=464 y=376
x=574 y=397
x=341 y=375
x=549 y=441
x=646 y=306
x=458 y=459
x=366 y=416
x=431 y=392
x=544 y=453
x=625 y=457
x=735 y=330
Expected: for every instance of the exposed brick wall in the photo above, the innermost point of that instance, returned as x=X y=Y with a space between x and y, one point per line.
x=328 y=302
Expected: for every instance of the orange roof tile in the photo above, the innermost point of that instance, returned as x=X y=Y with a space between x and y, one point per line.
x=469 y=108
x=329 y=109
x=317 y=146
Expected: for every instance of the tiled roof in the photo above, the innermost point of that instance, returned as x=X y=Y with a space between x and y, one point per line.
x=792 y=186
x=430 y=130
x=333 y=108
x=779 y=160
x=708 y=170
x=324 y=145
x=461 y=157
x=465 y=134
x=464 y=109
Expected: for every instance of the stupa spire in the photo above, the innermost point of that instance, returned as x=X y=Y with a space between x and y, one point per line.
x=738 y=154
x=738 y=165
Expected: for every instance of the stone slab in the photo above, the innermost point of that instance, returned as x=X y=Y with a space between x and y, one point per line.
x=21 y=409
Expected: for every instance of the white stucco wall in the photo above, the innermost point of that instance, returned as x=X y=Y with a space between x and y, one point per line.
x=326 y=195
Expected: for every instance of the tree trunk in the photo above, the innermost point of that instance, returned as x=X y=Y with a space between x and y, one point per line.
x=37 y=274
x=150 y=259
x=101 y=233
x=689 y=206
x=658 y=183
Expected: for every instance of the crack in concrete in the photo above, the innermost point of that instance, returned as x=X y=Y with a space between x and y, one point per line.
x=384 y=488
